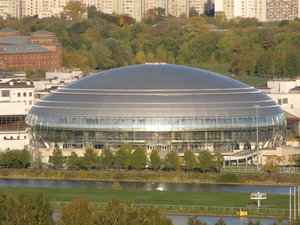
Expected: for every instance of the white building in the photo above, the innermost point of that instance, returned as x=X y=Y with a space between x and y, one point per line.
x=16 y=98
x=287 y=94
x=263 y=10
x=137 y=9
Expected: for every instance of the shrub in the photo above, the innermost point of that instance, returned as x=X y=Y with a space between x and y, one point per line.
x=228 y=178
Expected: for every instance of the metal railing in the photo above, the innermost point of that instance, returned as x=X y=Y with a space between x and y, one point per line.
x=278 y=212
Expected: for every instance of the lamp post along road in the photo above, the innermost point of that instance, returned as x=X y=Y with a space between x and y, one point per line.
x=257 y=142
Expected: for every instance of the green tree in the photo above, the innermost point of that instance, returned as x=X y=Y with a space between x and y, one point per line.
x=272 y=163
x=155 y=160
x=189 y=159
x=33 y=210
x=107 y=157
x=195 y=221
x=193 y=12
x=121 y=54
x=172 y=160
x=79 y=212
x=139 y=158
x=74 y=10
x=90 y=158
x=123 y=155
x=220 y=221
x=196 y=26
x=74 y=161
x=116 y=213
x=205 y=160
x=218 y=159
x=24 y=158
x=57 y=158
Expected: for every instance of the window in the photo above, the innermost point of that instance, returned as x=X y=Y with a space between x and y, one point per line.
x=24 y=94
x=285 y=101
x=30 y=94
x=5 y=93
x=19 y=94
x=279 y=101
x=30 y=102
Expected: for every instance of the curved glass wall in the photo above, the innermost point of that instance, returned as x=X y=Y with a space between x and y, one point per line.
x=215 y=133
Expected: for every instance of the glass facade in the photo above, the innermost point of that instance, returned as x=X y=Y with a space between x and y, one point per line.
x=217 y=134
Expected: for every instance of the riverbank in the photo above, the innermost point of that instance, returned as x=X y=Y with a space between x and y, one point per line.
x=155 y=176
x=200 y=203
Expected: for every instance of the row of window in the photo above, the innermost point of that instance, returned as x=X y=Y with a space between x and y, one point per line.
x=6 y=93
x=154 y=123
x=24 y=94
x=12 y=138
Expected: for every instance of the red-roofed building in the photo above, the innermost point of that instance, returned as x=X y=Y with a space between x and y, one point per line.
x=41 y=50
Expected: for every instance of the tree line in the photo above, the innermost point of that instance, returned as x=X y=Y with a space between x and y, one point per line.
x=128 y=158
x=36 y=209
x=105 y=41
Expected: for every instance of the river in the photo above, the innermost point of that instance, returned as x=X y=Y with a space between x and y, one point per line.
x=148 y=186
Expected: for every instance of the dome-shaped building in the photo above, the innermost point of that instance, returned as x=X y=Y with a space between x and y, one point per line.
x=156 y=105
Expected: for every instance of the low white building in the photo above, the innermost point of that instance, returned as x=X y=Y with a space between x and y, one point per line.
x=16 y=99
x=287 y=94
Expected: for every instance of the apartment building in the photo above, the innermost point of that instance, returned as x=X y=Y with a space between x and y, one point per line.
x=137 y=9
x=263 y=10
x=10 y=8
x=278 y=10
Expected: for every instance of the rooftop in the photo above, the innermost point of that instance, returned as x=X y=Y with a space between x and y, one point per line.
x=42 y=32
x=8 y=30
x=17 y=84
x=25 y=48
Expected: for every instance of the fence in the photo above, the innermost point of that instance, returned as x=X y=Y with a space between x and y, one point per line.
x=254 y=169
x=196 y=209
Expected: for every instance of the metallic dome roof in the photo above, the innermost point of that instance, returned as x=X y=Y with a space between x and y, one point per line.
x=155 y=90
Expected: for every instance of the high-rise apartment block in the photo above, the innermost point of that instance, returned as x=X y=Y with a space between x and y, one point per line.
x=263 y=10
x=134 y=8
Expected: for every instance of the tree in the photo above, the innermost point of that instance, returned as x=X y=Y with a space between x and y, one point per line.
x=90 y=158
x=220 y=19
x=139 y=158
x=121 y=54
x=172 y=160
x=205 y=160
x=116 y=213
x=107 y=157
x=79 y=212
x=193 y=12
x=33 y=210
x=194 y=221
x=218 y=159
x=272 y=163
x=74 y=10
x=24 y=158
x=74 y=161
x=15 y=158
x=155 y=161
x=57 y=158
x=123 y=155
x=196 y=26
x=189 y=159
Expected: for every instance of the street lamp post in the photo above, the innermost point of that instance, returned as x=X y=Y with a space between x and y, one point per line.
x=257 y=142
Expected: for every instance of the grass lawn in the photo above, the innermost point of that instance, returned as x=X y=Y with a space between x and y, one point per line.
x=152 y=197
